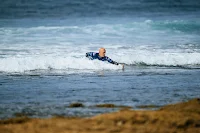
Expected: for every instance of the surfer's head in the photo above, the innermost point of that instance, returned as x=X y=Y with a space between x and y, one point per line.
x=102 y=52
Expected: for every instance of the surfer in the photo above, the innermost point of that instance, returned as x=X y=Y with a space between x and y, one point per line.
x=101 y=56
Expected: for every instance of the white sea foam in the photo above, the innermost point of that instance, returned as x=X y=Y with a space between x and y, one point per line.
x=64 y=46
x=22 y=64
x=72 y=58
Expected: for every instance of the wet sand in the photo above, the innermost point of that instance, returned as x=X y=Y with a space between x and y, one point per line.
x=177 y=118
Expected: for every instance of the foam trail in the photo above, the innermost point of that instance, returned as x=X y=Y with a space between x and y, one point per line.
x=14 y=64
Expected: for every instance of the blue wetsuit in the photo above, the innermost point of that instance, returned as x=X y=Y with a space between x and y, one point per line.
x=93 y=55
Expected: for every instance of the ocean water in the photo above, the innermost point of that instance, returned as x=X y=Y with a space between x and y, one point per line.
x=43 y=68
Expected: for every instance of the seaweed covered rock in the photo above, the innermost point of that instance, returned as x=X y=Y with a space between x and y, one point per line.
x=191 y=106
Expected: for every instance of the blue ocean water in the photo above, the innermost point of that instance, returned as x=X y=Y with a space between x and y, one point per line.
x=43 y=68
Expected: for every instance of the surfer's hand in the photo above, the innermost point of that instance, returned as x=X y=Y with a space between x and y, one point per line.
x=122 y=66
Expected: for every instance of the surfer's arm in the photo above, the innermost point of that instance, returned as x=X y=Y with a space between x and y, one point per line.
x=111 y=61
x=115 y=63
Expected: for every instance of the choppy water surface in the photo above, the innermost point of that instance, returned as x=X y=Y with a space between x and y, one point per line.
x=49 y=94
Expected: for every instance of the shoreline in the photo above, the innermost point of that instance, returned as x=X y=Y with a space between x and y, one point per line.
x=177 y=118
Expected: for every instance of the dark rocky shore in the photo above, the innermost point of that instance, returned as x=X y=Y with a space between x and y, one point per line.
x=177 y=118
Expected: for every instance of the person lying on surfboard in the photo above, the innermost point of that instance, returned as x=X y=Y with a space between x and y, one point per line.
x=101 y=56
